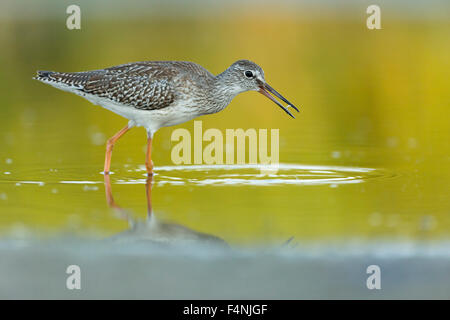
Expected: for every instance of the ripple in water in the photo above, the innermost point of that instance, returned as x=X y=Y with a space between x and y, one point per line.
x=210 y=175
x=258 y=175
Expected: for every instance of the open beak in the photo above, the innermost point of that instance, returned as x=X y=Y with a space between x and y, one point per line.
x=265 y=89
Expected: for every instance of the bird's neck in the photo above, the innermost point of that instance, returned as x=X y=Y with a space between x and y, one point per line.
x=225 y=82
x=223 y=90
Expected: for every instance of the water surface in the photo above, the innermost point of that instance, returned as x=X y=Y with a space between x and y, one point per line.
x=366 y=161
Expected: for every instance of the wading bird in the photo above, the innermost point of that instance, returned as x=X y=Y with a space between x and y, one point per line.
x=156 y=94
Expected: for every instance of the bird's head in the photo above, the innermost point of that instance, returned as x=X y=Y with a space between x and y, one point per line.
x=245 y=75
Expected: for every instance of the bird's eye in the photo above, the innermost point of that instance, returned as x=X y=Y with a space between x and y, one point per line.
x=249 y=74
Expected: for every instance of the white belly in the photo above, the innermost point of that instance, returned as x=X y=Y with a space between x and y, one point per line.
x=151 y=120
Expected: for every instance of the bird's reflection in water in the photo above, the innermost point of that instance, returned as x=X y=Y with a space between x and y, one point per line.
x=153 y=230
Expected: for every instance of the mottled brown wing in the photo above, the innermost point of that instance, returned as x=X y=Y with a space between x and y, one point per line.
x=142 y=85
x=138 y=85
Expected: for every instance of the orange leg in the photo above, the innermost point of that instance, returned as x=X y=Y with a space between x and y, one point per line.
x=108 y=192
x=123 y=214
x=148 y=189
x=148 y=160
x=110 y=145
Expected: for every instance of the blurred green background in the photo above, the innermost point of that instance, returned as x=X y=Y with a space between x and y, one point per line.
x=369 y=98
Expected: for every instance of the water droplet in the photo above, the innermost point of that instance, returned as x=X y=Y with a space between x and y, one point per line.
x=90 y=188
x=375 y=219
x=427 y=223
x=392 y=142
x=98 y=138
x=412 y=143
x=336 y=154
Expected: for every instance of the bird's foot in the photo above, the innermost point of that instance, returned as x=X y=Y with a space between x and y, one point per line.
x=149 y=167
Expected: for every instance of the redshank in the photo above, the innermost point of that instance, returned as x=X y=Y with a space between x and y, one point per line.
x=156 y=94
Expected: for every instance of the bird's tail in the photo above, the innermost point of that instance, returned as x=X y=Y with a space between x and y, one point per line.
x=61 y=80
x=44 y=75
